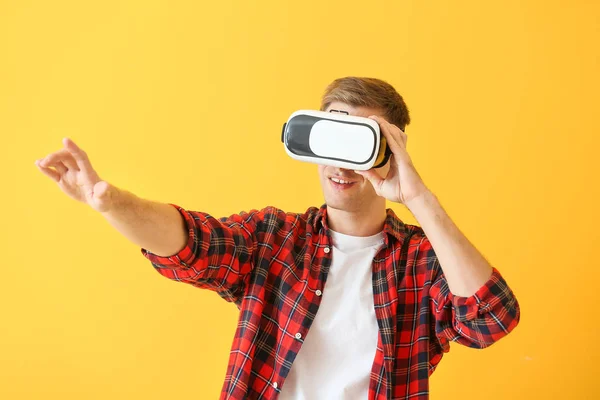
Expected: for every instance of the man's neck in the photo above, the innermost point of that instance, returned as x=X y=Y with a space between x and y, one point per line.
x=353 y=223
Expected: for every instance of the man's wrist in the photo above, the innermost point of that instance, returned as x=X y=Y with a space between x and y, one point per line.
x=421 y=201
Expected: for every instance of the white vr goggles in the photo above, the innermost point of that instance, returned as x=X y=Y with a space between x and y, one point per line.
x=335 y=138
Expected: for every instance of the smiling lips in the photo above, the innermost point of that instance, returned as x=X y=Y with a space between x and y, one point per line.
x=339 y=183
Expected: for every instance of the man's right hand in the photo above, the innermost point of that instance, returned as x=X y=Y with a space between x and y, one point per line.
x=71 y=169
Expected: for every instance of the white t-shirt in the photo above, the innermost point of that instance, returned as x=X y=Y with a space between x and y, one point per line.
x=337 y=355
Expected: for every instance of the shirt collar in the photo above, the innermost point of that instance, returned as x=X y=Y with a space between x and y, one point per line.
x=393 y=226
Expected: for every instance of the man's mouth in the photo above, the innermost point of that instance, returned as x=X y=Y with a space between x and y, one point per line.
x=341 y=184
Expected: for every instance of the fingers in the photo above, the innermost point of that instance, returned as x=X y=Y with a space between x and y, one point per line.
x=56 y=164
x=394 y=135
x=62 y=156
x=61 y=168
x=52 y=174
x=78 y=154
x=373 y=177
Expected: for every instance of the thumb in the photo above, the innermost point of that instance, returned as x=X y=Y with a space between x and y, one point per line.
x=372 y=176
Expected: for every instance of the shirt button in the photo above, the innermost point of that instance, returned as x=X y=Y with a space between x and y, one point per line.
x=298 y=335
x=326 y=250
x=318 y=292
x=275 y=385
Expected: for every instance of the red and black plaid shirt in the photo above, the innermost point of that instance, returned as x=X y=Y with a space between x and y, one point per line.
x=273 y=265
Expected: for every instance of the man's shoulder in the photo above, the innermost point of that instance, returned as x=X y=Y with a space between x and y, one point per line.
x=273 y=214
x=404 y=233
x=271 y=209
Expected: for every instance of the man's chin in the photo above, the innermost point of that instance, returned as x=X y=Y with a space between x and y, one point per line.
x=350 y=204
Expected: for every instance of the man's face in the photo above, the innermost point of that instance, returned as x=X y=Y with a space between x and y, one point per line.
x=359 y=195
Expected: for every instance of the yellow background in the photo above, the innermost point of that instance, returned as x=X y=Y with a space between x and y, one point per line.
x=184 y=101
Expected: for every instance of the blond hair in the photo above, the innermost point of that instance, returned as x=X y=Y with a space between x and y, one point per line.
x=368 y=92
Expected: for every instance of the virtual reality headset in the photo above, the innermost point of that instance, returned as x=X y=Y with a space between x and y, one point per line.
x=335 y=138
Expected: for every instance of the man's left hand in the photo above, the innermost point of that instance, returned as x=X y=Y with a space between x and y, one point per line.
x=402 y=182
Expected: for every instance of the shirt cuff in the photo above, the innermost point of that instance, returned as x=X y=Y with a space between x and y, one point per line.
x=495 y=292
x=186 y=256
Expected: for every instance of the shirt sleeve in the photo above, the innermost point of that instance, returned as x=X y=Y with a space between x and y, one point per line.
x=477 y=321
x=219 y=254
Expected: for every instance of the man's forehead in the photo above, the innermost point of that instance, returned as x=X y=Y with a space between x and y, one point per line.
x=359 y=111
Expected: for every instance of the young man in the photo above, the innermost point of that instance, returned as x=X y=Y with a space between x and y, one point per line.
x=344 y=301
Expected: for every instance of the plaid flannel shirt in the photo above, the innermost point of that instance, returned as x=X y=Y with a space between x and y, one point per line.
x=273 y=265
